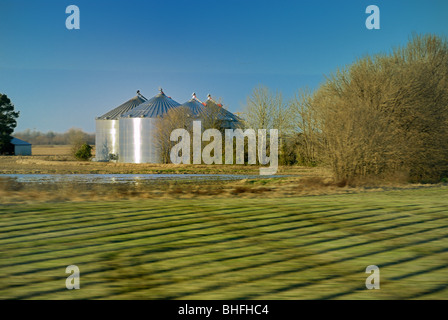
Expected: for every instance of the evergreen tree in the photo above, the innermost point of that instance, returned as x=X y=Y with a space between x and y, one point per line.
x=7 y=122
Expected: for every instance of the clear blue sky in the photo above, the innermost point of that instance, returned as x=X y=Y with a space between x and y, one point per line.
x=61 y=78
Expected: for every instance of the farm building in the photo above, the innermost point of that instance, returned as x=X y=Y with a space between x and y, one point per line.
x=226 y=119
x=21 y=148
x=212 y=109
x=107 y=129
x=128 y=133
x=194 y=105
x=138 y=130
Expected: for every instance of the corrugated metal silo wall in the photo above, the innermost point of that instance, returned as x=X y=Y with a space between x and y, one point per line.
x=138 y=141
x=106 y=138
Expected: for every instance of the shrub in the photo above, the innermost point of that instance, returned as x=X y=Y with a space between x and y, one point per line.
x=387 y=114
x=84 y=152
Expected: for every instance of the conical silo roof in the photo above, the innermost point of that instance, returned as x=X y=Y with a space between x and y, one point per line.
x=224 y=114
x=194 y=105
x=153 y=108
x=124 y=108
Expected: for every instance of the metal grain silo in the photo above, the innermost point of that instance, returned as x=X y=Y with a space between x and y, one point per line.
x=211 y=109
x=107 y=129
x=226 y=119
x=138 y=130
x=195 y=106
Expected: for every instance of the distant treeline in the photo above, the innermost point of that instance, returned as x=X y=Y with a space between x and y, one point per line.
x=54 y=138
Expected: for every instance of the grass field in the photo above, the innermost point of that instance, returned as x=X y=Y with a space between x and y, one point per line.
x=57 y=160
x=52 y=150
x=314 y=247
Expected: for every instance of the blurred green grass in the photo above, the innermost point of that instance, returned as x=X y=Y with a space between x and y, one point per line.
x=293 y=248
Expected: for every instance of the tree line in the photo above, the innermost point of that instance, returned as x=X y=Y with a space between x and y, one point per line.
x=382 y=117
x=69 y=137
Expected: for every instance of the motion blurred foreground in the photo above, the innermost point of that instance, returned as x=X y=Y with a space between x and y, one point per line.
x=309 y=247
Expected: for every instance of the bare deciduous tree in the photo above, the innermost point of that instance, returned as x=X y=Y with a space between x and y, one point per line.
x=305 y=124
x=212 y=115
x=267 y=110
x=388 y=113
x=176 y=118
